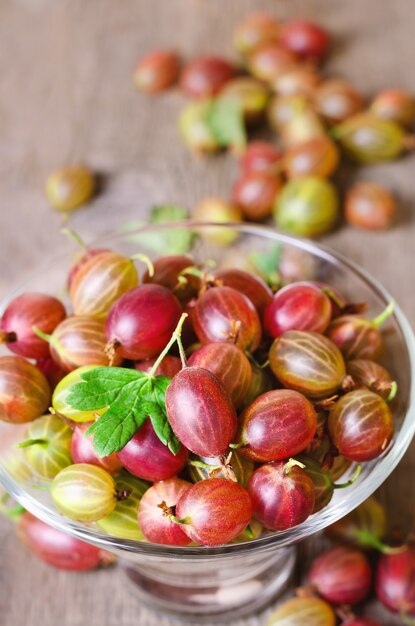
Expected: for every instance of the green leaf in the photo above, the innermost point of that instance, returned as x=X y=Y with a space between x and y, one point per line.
x=267 y=264
x=175 y=241
x=131 y=397
x=226 y=121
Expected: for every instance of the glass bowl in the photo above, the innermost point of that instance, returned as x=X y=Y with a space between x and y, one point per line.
x=237 y=578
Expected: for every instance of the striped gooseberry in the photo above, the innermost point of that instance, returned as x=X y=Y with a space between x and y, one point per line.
x=201 y=412
x=78 y=341
x=276 y=426
x=153 y=517
x=224 y=314
x=360 y=425
x=21 y=315
x=215 y=511
x=307 y=362
x=299 y=611
x=341 y=576
x=85 y=493
x=122 y=521
x=100 y=281
x=47 y=445
x=24 y=390
x=282 y=495
x=141 y=322
x=229 y=364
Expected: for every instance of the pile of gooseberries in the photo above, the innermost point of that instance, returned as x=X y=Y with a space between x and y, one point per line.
x=313 y=119
x=245 y=421
x=341 y=578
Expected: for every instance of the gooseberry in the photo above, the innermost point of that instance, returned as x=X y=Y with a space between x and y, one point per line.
x=78 y=341
x=51 y=370
x=395 y=105
x=59 y=549
x=255 y=194
x=269 y=61
x=395 y=581
x=146 y=457
x=168 y=271
x=276 y=426
x=229 y=364
x=201 y=412
x=205 y=76
x=299 y=306
x=307 y=207
x=47 y=445
x=255 y=30
x=203 y=468
x=82 y=451
x=299 y=611
x=224 y=314
x=367 y=139
x=100 y=281
x=316 y=157
x=305 y=39
x=251 y=286
x=336 y=100
x=282 y=495
x=252 y=96
x=214 y=511
x=359 y=337
x=307 y=362
x=122 y=522
x=21 y=315
x=341 y=576
x=84 y=492
x=157 y=71
x=371 y=375
x=218 y=210
x=194 y=129
x=370 y=206
x=153 y=512
x=261 y=156
x=70 y=187
x=360 y=425
x=59 y=398
x=24 y=390
x=141 y=322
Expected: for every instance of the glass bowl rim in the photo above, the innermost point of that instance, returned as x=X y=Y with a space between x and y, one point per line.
x=384 y=465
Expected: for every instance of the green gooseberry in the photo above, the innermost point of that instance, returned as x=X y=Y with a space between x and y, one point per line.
x=307 y=207
x=123 y=522
x=61 y=406
x=84 y=492
x=47 y=445
x=194 y=127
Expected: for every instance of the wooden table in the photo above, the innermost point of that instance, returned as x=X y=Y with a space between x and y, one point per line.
x=66 y=95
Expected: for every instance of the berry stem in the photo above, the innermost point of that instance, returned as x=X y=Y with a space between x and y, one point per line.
x=393 y=391
x=351 y=481
x=382 y=317
x=176 y=336
x=169 y=512
x=332 y=296
x=41 y=334
x=13 y=513
x=292 y=463
x=73 y=235
x=31 y=442
x=7 y=337
x=146 y=260
x=367 y=539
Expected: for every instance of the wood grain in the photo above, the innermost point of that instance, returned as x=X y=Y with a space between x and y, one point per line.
x=66 y=95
